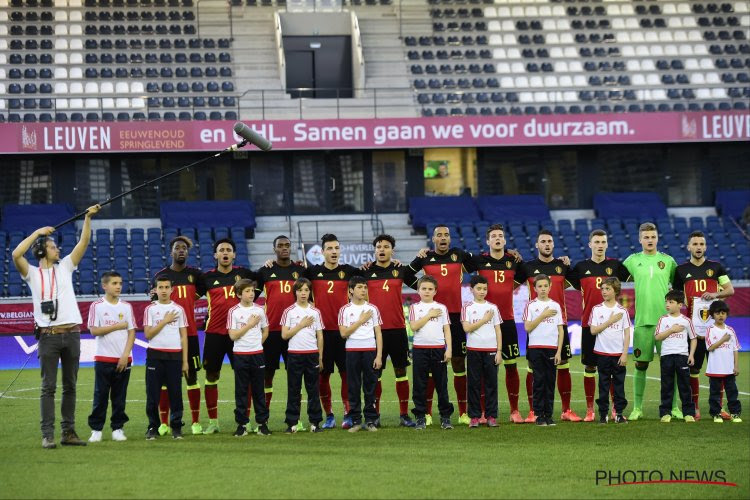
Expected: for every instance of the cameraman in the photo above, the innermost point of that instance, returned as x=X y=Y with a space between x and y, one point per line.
x=57 y=323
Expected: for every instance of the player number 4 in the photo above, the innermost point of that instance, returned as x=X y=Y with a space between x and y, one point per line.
x=385 y=286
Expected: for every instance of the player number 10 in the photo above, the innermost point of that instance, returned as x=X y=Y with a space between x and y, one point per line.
x=700 y=285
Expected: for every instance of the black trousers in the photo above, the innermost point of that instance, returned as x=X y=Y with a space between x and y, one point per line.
x=426 y=362
x=611 y=374
x=481 y=365
x=361 y=377
x=161 y=372
x=730 y=388
x=108 y=383
x=675 y=366
x=249 y=372
x=301 y=366
x=542 y=361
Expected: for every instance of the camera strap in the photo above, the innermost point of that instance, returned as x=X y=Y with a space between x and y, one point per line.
x=53 y=279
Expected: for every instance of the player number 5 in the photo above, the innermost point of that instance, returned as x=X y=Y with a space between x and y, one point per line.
x=443 y=269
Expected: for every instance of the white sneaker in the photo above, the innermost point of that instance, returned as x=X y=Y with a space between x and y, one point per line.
x=118 y=435
x=96 y=437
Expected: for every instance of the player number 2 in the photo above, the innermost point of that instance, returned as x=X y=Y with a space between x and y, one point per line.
x=700 y=285
x=385 y=286
x=330 y=287
x=285 y=287
x=229 y=292
x=499 y=276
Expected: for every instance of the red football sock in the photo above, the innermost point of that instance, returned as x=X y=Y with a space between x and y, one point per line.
x=194 y=398
x=212 y=399
x=402 y=390
x=589 y=387
x=563 y=387
x=164 y=406
x=378 y=393
x=530 y=389
x=268 y=383
x=344 y=392
x=459 y=384
x=512 y=384
x=325 y=392
x=430 y=393
x=695 y=387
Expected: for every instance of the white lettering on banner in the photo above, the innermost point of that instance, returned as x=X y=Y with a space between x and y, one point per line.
x=535 y=128
x=384 y=133
x=448 y=131
x=726 y=127
x=491 y=131
x=208 y=136
x=304 y=132
x=73 y=138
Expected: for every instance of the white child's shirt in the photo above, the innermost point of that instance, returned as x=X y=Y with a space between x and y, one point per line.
x=483 y=338
x=544 y=336
x=252 y=341
x=110 y=347
x=721 y=360
x=363 y=338
x=431 y=335
x=676 y=343
x=306 y=340
x=611 y=341
x=168 y=339
x=701 y=319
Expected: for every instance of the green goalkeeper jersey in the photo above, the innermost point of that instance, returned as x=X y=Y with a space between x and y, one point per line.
x=652 y=275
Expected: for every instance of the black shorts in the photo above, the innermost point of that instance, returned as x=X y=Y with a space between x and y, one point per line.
x=273 y=348
x=334 y=351
x=700 y=355
x=565 y=353
x=215 y=347
x=588 y=356
x=458 y=336
x=194 y=354
x=510 y=341
x=396 y=345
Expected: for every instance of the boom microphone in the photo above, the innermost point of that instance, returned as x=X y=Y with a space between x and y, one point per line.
x=252 y=136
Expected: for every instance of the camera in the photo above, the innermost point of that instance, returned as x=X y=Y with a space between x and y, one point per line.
x=48 y=307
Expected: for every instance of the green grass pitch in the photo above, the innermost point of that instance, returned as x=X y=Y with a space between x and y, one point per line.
x=511 y=461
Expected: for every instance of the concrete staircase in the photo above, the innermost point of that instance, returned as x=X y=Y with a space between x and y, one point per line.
x=347 y=227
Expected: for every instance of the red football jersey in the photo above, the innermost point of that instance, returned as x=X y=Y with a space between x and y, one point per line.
x=186 y=288
x=330 y=291
x=277 y=282
x=694 y=280
x=221 y=297
x=502 y=275
x=448 y=270
x=558 y=272
x=384 y=285
x=587 y=277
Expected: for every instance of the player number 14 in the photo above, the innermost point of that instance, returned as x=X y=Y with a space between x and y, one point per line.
x=229 y=292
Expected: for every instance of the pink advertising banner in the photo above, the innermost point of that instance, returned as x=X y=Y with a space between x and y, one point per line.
x=123 y=137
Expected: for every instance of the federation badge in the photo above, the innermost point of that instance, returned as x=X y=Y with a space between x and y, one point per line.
x=608 y=271
x=704 y=314
x=558 y=269
x=637 y=353
x=454 y=257
x=341 y=275
x=710 y=273
x=191 y=278
x=120 y=316
x=661 y=265
x=508 y=264
x=395 y=273
x=295 y=275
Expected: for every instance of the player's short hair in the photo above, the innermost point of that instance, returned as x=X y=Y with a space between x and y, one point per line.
x=541 y=277
x=543 y=232
x=225 y=240
x=477 y=280
x=300 y=283
x=280 y=237
x=327 y=238
x=718 y=306
x=356 y=280
x=109 y=275
x=240 y=286
x=597 y=232
x=183 y=239
x=427 y=279
x=646 y=226
x=384 y=237
x=676 y=295
x=161 y=278
x=696 y=234
x=494 y=227
x=613 y=283
x=441 y=225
